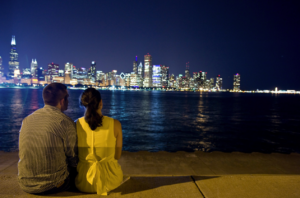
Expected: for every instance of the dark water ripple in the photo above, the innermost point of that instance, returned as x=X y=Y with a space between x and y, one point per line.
x=173 y=121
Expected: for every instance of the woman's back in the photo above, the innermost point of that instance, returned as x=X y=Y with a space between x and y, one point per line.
x=98 y=170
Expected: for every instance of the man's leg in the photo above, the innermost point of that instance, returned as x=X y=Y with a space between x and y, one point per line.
x=59 y=188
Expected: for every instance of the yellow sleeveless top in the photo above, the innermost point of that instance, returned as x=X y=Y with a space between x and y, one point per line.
x=98 y=170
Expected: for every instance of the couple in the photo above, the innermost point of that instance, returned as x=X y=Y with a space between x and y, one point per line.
x=50 y=144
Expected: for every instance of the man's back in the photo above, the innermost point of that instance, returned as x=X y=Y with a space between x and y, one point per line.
x=47 y=146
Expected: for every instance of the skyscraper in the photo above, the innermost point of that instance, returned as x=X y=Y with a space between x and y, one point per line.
x=134 y=79
x=211 y=83
x=203 y=76
x=81 y=75
x=164 y=76
x=114 y=76
x=135 y=69
x=13 y=58
x=74 y=72
x=218 y=82
x=140 y=69
x=1 y=68
x=187 y=70
x=61 y=73
x=237 y=82
x=148 y=70
x=68 y=68
x=40 y=74
x=33 y=68
x=140 y=75
x=53 y=69
x=26 y=74
x=156 y=76
x=99 y=75
x=92 y=72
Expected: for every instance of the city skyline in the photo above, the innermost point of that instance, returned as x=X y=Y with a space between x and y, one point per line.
x=256 y=39
x=33 y=64
x=145 y=76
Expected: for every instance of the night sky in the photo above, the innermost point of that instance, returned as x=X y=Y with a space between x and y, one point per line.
x=258 y=39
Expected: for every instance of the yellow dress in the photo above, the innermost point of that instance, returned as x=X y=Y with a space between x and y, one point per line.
x=98 y=170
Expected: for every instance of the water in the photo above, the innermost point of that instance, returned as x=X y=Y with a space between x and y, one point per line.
x=176 y=121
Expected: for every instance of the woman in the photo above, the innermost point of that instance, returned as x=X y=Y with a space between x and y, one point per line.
x=99 y=147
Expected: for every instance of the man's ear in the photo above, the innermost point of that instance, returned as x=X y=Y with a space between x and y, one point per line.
x=61 y=102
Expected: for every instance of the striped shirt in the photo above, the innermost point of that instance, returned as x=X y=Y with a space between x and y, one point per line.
x=47 y=145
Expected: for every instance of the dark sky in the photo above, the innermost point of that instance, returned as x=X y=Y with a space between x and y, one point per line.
x=258 y=39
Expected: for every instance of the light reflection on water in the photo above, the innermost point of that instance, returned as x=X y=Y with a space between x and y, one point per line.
x=172 y=121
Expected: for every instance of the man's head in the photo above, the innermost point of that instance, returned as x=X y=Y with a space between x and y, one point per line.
x=56 y=94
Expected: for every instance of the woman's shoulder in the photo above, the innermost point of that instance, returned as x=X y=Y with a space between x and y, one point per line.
x=79 y=119
x=107 y=118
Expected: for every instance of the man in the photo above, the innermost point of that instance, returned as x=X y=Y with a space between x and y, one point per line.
x=47 y=145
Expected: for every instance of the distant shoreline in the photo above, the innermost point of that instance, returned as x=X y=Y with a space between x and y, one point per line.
x=119 y=88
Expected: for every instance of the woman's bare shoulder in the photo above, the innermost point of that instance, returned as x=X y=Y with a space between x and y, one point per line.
x=117 y=123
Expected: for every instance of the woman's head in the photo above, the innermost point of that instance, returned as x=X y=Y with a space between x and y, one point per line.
x=91 y=100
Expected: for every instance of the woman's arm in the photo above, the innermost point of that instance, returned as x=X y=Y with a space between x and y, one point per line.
x=119 y=137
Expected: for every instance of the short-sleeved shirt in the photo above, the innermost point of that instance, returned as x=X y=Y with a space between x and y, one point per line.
x=47 y=145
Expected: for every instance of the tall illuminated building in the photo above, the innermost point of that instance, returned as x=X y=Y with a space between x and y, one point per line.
x=127 y=79
x=219 y=82
x=61 y=73
x=195 y=75
x=203 y=76
x=148 y=71
x=140 y=69
x=26 y=74
x=135 y=67
x=156 y=77
x=40 y=74
x=74 y=72
x=53 y=70
x=211 y=83
x=67 y=78
x=82 y=73
x=33 y=68
x=114 y=76
x=140 y=75
x=13 y=63
x=187 y=70
x=17 y=76
x=68 y=67
x=92 y=72
x=134 y=79
x=237 y=82
x=1 y=68
x=99 y=75
x=164 y=76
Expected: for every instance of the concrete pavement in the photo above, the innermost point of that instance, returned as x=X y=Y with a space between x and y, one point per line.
x=183 y=174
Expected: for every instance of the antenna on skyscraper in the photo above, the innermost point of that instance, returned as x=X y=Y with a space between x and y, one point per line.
x=187 y=65
x=135 y=58
x=13 y=40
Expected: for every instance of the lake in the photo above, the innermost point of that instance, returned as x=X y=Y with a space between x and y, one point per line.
x=176 y=121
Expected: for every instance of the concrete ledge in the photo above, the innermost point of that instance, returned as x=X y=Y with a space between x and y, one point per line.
x=135 y=187
x=250 y=186
x=183 y=174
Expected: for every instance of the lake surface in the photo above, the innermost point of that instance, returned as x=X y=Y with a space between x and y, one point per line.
x=176 y=121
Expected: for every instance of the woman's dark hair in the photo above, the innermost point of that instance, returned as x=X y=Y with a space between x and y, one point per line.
x=53 y=93
x=90 y=99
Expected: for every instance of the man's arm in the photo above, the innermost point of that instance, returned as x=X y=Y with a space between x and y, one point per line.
x=70 y=145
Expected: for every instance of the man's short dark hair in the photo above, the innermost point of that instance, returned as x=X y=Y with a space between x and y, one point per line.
x=53 y=93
